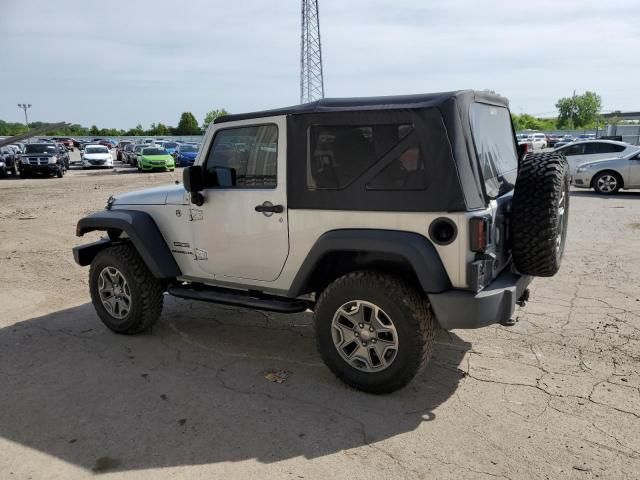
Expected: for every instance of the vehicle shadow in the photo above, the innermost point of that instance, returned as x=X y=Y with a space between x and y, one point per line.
x=195 y=390
x=620 y=195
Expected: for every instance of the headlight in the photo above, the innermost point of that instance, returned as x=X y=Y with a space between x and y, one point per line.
x=2 y=164
x=53 y=160
x=584 y=168
x=24 y=160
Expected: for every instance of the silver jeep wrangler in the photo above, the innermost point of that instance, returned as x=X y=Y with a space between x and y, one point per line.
x=385 y=217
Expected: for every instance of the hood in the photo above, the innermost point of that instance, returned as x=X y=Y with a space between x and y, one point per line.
x=188 y=154
x=165 y=194
x=97 y=156
x=605 y=162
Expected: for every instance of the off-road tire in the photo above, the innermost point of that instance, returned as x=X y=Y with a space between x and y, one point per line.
x=23 y=174
x=146 y=291
x=538 y=230
x=594 y=183
x=15 y=169
x=410 y=313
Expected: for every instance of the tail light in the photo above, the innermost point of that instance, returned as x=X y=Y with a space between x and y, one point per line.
x=479 y=234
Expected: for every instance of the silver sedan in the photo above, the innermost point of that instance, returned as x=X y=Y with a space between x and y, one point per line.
x=609 y=175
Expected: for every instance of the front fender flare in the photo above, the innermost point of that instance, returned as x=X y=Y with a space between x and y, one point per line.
x=141 y=230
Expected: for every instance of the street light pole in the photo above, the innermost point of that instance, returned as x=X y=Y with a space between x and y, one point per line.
x=24 y=106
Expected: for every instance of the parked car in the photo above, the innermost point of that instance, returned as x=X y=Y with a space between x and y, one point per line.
x=64 y=154
x=120 y=149
x=134 y=156
x=584 y=151
x=586 y=136
x=363 y=213
x=97 y=156
x=538 y=140
x=552 y=139
x=185 y=155
x=170 y=147
x=155 y=158
x=68 y=142
x=127 y=150
x=9 y=161
x=564 y=140
x=41 y=159
x=610 y=175
x=110 y=144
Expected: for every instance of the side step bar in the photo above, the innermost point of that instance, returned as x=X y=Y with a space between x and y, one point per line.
x=254 y=300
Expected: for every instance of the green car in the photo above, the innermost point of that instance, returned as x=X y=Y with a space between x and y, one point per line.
x=155 y=158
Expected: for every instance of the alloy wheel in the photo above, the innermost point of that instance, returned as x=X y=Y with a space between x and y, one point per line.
x=364 y=336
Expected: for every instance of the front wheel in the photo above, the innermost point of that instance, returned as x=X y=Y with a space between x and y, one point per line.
x=607 y=183
x=374 y=331
x=126 y=296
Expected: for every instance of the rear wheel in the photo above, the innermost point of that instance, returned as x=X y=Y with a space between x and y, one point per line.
x=374 y=331
x=607 y=183
x=126 y=296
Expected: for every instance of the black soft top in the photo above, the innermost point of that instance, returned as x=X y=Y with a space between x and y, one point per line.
x=394 y=102
x=441 y=127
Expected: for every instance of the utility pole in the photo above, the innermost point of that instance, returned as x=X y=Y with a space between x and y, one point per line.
x=25 y=106
x=311 y=79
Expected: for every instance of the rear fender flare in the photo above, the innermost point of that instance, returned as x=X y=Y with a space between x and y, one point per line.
x=412 y=247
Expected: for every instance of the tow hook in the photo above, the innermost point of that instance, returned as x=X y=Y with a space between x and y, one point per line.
x=524 y=298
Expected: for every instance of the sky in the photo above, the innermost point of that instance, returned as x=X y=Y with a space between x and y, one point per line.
x=122 y=63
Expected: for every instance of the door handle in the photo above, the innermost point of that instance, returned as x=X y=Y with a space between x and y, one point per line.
x=268 y=207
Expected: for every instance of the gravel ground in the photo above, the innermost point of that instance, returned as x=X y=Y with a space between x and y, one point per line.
x=555 y=396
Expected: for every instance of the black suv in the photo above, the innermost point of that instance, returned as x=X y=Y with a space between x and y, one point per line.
x=42 y=159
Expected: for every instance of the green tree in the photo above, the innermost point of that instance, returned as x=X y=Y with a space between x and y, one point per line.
x=188 y=125
x=579 y=111
x=212 y=115
x=135 y=131
x=159 y=129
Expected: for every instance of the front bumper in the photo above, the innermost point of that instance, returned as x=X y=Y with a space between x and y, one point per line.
x=582 y=179
x=48 y=169
x=495 y=303
x=151 y=166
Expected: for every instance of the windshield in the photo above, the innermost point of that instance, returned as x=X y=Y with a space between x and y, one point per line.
x=40 y=149
x=497 y=154
x=96 y=150
x=154 y=151
x=188 y=148
x=170 y=145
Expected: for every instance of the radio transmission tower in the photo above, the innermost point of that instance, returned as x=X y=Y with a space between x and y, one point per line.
x=311 y=82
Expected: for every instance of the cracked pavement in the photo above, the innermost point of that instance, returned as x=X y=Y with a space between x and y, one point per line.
x=555 y=396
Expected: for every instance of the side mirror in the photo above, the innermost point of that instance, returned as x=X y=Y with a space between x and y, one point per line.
x=193 y=179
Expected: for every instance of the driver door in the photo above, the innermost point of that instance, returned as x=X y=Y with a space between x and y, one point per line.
x=241 y=231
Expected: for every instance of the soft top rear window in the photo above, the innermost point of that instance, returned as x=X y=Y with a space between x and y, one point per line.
x=497 y=154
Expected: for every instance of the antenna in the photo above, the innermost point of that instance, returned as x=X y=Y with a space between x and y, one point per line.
x=311 y=81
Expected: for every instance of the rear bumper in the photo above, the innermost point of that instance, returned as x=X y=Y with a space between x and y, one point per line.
x=494 y=304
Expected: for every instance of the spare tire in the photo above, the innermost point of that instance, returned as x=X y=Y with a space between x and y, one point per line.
x=539 y=214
